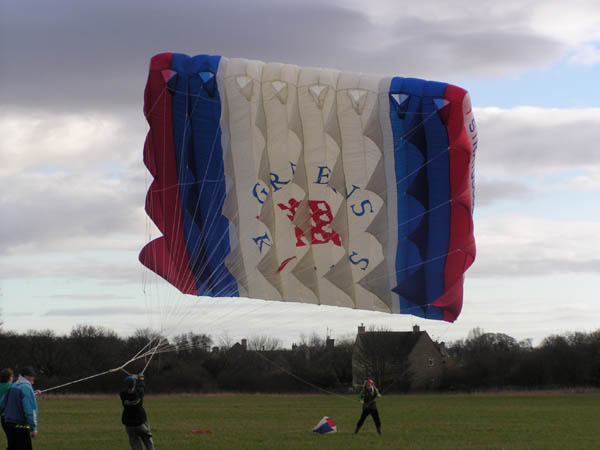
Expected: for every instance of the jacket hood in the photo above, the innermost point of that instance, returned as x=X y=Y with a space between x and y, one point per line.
x=22 y=380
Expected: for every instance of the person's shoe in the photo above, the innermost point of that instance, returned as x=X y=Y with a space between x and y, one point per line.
x=378 y=430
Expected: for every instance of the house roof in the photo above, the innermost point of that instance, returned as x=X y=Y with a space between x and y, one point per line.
x=403 y=342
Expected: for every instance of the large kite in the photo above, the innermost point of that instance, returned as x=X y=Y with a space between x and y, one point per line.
x=311 y=185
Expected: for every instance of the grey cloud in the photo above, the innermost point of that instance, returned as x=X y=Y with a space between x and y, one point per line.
x=87 y=312
x=536 y=140
x=488 y=192
x=449 y=49
x=525 y=267
x=65 y=207
x=99 y=52
x=35 y=139
x=85 y=55
x=20 y=314
x=521 y=246
x=92 y=297
x=79 y=268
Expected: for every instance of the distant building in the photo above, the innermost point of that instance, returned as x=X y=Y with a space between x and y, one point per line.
x=329 y=342
x=239 y=347
x=397 y=359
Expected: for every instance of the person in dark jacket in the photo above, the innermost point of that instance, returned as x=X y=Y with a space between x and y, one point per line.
x=134 y=416
x=19 y=407
x=367 y=397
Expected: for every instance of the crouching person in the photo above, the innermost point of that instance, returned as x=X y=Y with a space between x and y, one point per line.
x=134 y=416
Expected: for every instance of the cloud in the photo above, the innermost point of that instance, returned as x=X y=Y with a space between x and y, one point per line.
x=488 y=192
x=518 y=246
x=85 y=55
x=36 y=140
x=20 y=314
x=588 y=55
x=589 y=181
x=571 y=23
x=100 y=51
x=87 y=312
x=64 y=211
x=88 y=296
x=76 y=268
x=73 y=182
x=537 y=140
x=526 y=153
x=576 y=22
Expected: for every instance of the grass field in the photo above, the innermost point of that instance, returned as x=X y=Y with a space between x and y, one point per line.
x=496 y=421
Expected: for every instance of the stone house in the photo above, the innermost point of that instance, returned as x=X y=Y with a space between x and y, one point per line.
x=398 y=360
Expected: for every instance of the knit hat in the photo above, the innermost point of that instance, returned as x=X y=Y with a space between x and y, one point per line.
x=129 y=381
x=27 y=371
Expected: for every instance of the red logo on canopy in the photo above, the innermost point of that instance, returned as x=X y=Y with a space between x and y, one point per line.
x=321 y=217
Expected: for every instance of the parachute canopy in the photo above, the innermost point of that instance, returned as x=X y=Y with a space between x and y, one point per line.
x=325 y=426
x=278 y=182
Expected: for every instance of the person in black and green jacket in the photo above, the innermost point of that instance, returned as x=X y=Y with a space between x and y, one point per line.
x=367 y=397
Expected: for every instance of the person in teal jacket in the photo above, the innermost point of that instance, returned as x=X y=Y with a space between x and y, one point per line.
x=6 y=379
x=367 y=397
x=20 y=410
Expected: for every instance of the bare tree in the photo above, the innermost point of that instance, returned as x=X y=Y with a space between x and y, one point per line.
x=475 y=334
x=225 y=341
x=264 y=343
x=90 y=331
x=381 y=356
x=345 y=340
x=313 y=341
x=146 y=333
x=191 y=342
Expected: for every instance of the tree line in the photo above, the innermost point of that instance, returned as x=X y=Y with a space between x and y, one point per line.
x=190 y=364
x=497 y=361
x=482 y=361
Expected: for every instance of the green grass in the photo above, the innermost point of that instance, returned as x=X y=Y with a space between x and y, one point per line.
x=496 y=421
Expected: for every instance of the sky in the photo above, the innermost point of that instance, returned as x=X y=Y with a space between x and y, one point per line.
x=73 y=183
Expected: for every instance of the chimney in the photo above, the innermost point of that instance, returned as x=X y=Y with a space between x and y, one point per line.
x=361 y=328
x=416 y=328
x=244 y=344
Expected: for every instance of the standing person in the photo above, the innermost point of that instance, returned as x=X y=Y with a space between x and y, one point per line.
x=6 y=380
x=367 y=397
x=134 y=416
x=20 y=411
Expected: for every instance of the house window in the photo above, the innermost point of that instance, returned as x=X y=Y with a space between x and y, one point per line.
x=431 y=362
